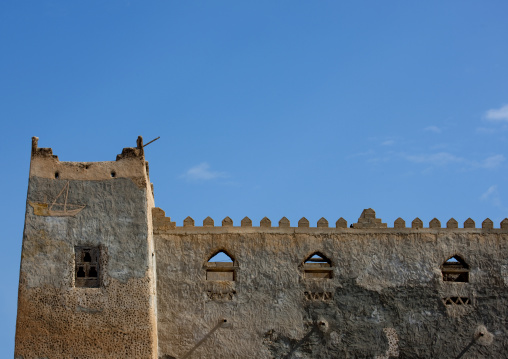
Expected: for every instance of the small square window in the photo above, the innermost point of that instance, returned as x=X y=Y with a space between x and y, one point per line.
x=87 y=268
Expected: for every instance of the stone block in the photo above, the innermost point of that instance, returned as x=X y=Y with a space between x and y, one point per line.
x=227 y=222
x=303 y=222
x=341 y=223
x=452 y=223
x=208 y=222
x=368 y=213
x=399 y=223
x=469 y=223
x=246 y=222
x=417 y=223
x=188 y=222
x=487 y=224
x=322 y=223
x=435 y=223
x=284 y=222
x=368 y=220
x=265 y=222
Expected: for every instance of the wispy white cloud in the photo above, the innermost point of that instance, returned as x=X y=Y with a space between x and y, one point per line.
x=434 y=129
x=446 y=158
x=490 y=191
x=492 y=161
x=361 y=154
x=492 y=195
x=486 y=130
x=388 y=143
x=440 y=158
x=497 y=114
x=439 y=146
x=202 y=172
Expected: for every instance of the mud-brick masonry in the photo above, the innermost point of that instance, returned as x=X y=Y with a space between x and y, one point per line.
x=105 y=274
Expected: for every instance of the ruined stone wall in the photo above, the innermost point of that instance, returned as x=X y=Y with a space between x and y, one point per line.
x=386 y=297
x=103 y=209
x=104 y=274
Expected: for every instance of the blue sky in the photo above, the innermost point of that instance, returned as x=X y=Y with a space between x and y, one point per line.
x=264 y=108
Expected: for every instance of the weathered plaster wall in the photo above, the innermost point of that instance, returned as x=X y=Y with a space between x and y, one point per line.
x=387 y=293
x=55 y=318
x=386 y=297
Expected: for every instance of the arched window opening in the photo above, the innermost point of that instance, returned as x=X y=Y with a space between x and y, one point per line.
x=455 y=269
x=220 y=267
x=221 y=257
x=317 y=266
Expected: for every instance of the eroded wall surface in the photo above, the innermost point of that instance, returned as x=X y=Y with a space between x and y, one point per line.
x=380 y=293
x=105 y=206
x=386 y=297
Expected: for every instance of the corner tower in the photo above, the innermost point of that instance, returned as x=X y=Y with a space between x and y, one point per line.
x=87 y=276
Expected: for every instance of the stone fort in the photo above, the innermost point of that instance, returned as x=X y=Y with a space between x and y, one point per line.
x=106 y=274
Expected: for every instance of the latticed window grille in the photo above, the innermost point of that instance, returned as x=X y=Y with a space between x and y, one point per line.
x=87 y=267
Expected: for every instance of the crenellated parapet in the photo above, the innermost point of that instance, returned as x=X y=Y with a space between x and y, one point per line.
x=127 y=152
x=133 y=152
x=41 y=152
x=129 y=164
x=366 y=221
x=161 y=222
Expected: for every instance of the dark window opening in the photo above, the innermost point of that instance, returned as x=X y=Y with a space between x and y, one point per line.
x=455 y=269
x=87 y=267
x=317 y=266
x=221 y=267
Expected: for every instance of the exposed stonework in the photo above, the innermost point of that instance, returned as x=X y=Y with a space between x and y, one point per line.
x=368 y=220
x=304 y=291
